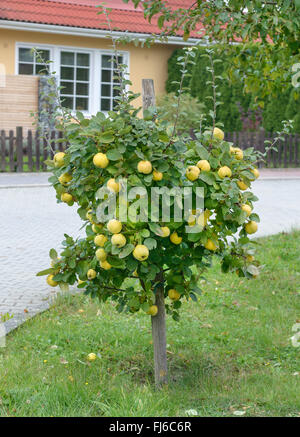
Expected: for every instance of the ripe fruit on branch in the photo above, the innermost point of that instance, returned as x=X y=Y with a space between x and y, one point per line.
x=203 y=218
x=191 y=220
x=210 y=245
x=105 y=265
x=173 y=294
x=101 y=255
x=96 y=228
x=255 y=172
x=100 y=240
x=238 y=153
x=118 y=240
x=218 y=134
x=112 y=185
x=66 y=197
x=59 y=159
x=89 y=216
x=65 y=178
x=166 y=231
x=114 y=226
x=157 y=175
x=204 y=165
x=175 y=239
x=192 y=172
x=100 y=160
x=152 y=310
x=144 y=167
x=247 y=209
x=224 y=172
x=242 y=185
x=51 y=282
x=141 y=252
x=91 y=274
x=251 y=227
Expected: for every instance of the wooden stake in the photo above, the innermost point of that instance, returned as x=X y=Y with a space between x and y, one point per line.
x=158 y=321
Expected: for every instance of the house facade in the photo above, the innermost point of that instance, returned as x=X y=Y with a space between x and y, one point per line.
x=74 y=38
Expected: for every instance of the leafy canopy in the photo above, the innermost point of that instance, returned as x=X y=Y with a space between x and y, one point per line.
x=274 y=25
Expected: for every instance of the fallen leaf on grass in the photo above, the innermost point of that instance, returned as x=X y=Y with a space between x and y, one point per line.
x=239 y=413
x=192 y=412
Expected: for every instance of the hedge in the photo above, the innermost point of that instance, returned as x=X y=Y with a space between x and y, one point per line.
x=237 y=105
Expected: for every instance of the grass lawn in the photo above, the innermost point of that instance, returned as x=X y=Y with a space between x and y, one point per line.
x=230 y=352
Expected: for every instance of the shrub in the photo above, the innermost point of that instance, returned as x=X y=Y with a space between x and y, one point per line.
x=189 y=115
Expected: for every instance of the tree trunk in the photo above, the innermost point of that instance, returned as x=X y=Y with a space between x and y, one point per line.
x=159 y=321
x=159 y=337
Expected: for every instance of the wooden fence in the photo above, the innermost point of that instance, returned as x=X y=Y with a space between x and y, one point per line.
x=19 y=153
x=288 y=150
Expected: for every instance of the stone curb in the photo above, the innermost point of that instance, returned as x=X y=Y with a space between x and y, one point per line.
x=25 y=186
x=19 y=319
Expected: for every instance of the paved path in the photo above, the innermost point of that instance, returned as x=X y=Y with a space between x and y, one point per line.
x=31 y=223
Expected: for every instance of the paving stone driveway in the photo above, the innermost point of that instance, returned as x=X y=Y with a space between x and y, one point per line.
x=31 y=222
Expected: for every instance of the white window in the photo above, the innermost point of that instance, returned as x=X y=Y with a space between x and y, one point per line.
x=75 y=80
x=109 y=80
x=31 y=62
x=88 y=77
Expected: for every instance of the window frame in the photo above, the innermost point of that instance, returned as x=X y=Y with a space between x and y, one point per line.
x=94 y=100
x=38 y=47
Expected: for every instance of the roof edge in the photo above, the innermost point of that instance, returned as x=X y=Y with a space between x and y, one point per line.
x=88 y=32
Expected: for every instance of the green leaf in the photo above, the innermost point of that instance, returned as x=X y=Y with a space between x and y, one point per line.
x=82 y=268
x=116 y=262
x=45 y=272
x=254 y=217
x=126 y=251
x=156 y=229
x=53 y=254
x=113 y=155
x=145 y=307
x=202 y=152
x=163 y=137
x=151 y=243
x=207 y=177
x=106 y=137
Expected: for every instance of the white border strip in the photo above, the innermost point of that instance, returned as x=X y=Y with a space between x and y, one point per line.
x=92 y=33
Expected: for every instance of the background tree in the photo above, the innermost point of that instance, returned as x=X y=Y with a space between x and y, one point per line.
x=275 y=24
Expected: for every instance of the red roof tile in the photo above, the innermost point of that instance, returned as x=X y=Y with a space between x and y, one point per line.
x=82 y=14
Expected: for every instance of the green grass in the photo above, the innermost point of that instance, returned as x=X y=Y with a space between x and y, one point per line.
x=230 y=351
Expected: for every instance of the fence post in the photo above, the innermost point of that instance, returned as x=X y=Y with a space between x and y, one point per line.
x=29 y=150
x=11 y=154
x=19 y=131
x=37 y=151
x=3 y=151
x=297 y=146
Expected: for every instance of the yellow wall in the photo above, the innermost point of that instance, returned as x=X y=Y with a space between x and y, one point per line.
x=149 y=63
